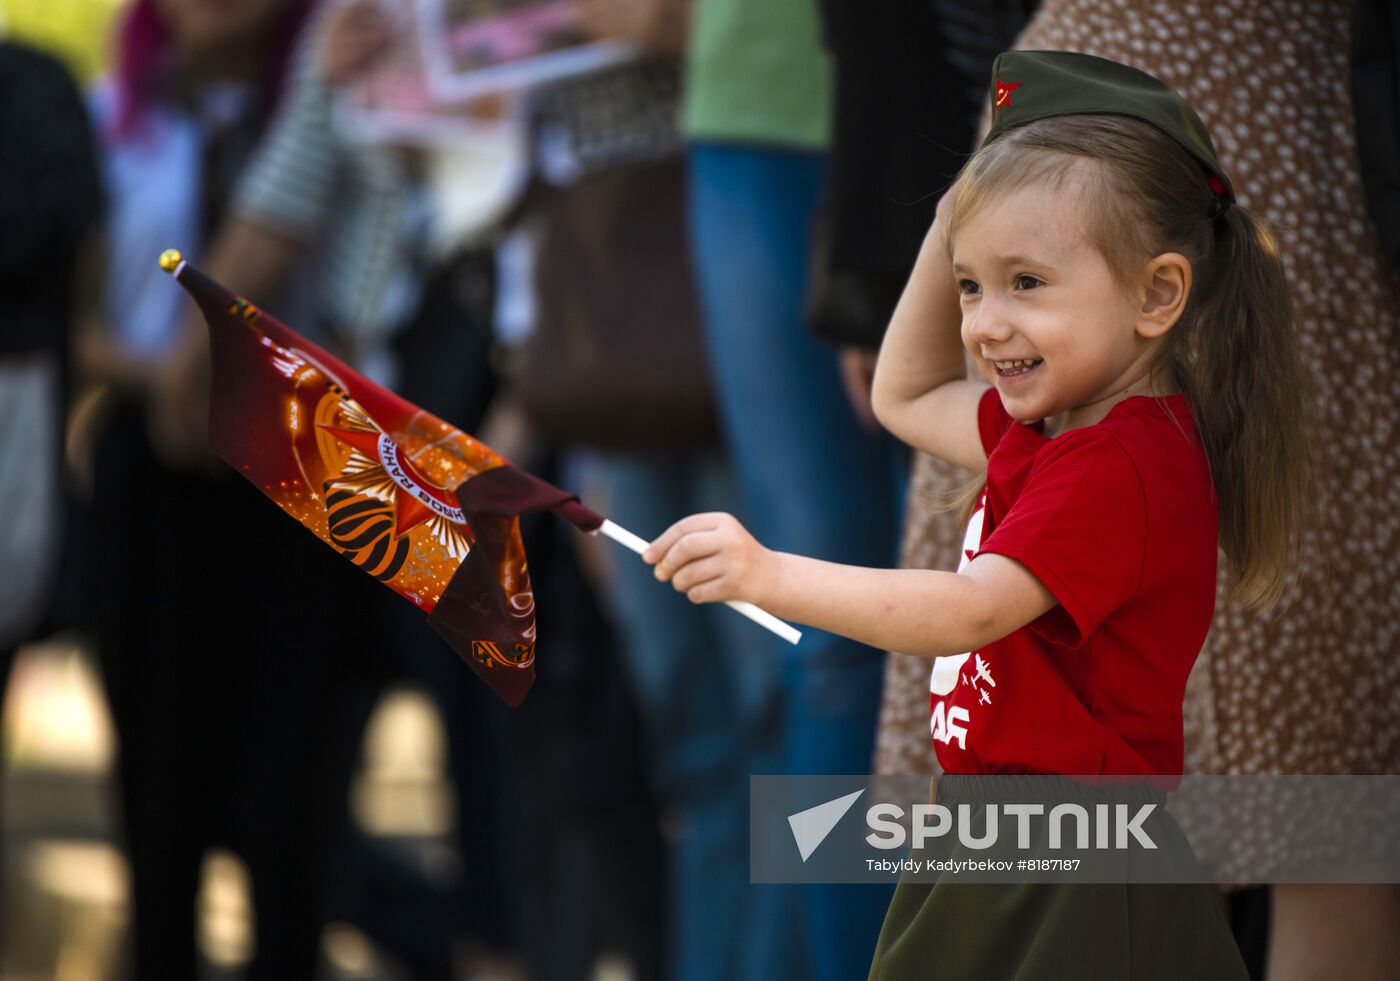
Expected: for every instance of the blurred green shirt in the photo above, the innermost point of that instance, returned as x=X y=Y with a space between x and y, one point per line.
x=756 y=72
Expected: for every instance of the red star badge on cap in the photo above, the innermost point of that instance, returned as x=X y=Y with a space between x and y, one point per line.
x=1004 y=91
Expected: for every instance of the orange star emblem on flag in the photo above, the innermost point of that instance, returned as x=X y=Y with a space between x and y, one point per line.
x=1004 y=90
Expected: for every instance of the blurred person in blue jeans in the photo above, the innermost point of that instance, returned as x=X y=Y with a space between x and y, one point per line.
x=757 y=116
x=616 y=367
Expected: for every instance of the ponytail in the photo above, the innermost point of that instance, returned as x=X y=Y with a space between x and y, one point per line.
x=1238 y=361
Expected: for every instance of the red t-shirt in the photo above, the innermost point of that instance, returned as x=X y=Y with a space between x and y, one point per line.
x=1118 y=520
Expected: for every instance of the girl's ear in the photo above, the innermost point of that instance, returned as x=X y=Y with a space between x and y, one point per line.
x=1166 y=286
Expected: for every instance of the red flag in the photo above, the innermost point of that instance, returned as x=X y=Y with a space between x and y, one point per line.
x=413 y=501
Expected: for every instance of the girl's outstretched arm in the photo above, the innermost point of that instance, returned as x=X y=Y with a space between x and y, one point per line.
x=921 y=392
x=712 y=558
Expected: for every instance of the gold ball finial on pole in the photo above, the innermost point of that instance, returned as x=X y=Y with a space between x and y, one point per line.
x=170 y=260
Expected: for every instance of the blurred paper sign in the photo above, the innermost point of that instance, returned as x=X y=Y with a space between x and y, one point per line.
x=471 y=47
x=394 y=103
x=456 y=69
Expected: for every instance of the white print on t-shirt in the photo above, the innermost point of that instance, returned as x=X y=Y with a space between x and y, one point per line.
x=945 y=723
x=984 y=672
x=947 y=728
x=945 y=673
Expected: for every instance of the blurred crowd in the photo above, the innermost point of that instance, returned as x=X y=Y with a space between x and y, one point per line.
x=669 y=301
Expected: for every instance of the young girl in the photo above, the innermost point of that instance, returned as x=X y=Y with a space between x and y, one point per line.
x=1134 y=323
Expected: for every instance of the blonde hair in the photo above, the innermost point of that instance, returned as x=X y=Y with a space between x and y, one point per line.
x=1233 y=351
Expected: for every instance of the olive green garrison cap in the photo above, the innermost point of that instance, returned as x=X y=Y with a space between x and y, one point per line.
x=1031 y=85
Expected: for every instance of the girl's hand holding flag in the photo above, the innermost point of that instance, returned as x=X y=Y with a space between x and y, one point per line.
x=922 y=612
x=712 y=558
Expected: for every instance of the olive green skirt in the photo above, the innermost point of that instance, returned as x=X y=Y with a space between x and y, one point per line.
x=949 y=930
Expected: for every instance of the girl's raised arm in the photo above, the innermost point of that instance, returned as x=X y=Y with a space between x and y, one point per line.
x=921 y=392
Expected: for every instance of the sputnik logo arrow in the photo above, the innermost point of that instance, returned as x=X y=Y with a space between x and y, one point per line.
x=810 y=827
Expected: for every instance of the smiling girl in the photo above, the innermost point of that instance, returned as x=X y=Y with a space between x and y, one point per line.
x=1144 y=406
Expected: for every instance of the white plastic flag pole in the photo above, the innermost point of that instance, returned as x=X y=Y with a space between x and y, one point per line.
x=763 y=618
